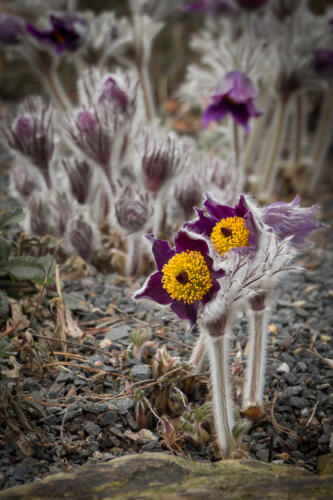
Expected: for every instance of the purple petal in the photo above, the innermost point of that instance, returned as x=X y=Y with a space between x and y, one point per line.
x=162 y=251
x=154 y=290
x=204 y=225
x=214 y=112
x=213 y=273
x=291 y=220
x=240 y=115
x=186 y=311
x=242 y=88
x=212 y=292
x=218 y=211
x=183 y=242
x=253 y=230
x=242 y=208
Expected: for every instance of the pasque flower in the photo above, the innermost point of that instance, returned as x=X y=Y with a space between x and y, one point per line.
x=185 y=279
x=226 y=227
x=235 y=95
x=65 y=34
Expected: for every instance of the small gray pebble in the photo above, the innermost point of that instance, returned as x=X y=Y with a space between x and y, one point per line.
x=91 y=428
x=141 y=372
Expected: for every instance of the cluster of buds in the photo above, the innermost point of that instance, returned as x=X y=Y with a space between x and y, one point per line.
x=227 y=258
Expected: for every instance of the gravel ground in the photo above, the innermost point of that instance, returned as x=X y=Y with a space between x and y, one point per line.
x=87 y=412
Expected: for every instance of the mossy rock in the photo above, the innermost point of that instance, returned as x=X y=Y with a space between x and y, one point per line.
x=163 y=477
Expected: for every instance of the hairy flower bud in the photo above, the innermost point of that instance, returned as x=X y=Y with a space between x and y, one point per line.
x=83 y=237
x=133 y=210
x=80 y=177
x=23 y=183
x=10 y=30
x=161 y=161
x=31 y=135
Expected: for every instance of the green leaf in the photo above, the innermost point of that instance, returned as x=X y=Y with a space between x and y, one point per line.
x=4 y=306
x=10 y=216
x=31 y=405
x=26 y=268
x=5 y=248
x=45 y=262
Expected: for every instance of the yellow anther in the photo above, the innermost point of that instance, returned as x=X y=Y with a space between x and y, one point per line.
x=230 y=233
x=186 y=277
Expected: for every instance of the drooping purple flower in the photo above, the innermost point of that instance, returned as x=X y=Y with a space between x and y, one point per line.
x=208 y=6
x=10 y=30
x=251 y=4
x=290 y=220
x=185 y=278
x=227 y=227
x=323 y=62
x=235 y=95
x=66 y=33
x=112 y=92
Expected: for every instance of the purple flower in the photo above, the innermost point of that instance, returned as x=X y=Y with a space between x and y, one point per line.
x=323 y=62
x=185 y=279
x=234 y=95
x=251 y=4
x=113 y=93
x=291 y=220
x=208 y=6
x=10 y=30
x=65 y=34
x=227 y=228
x=82 y=238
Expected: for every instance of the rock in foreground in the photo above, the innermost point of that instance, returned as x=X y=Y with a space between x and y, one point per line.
x=163 y=477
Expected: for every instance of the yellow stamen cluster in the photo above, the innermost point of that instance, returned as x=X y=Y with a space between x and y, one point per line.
x=194 y=279
x=230 y=233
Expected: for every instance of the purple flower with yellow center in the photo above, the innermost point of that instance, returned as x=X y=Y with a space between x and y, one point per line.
x=185 y=279
x=226 y=227
x=235 y=95
x=65 y=33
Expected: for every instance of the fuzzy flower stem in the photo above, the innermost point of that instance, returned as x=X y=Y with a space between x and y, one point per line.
x=218 y=348
x=235 y=132
x=146 y=91
x=298 y=132
x=276 y=141
x=323 y=137
x=54 y=88
x=198 y=354
x=256 y=365
x=133 y=254
x=159 y=214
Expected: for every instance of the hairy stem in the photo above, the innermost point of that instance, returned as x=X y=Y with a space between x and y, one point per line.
x=133 y=254
x=55 y=90
x=218 y=348
x=299 y=128
x=256 y=365
x=198 y=354
x=323 y=137
x=276 y=138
